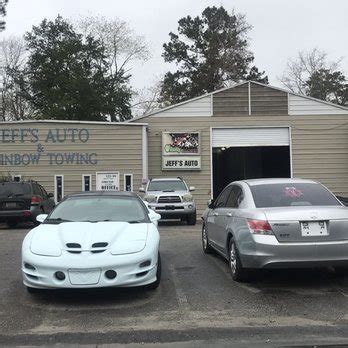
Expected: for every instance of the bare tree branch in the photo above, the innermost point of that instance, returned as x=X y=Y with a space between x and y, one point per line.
x=300 y=69
x=146 y=99
x=13 y=56
x=121 y=43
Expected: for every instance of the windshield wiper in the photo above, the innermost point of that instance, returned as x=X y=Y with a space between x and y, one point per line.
x=94 y=221
x=135 y=222
x=56 y=220
x=168 y=191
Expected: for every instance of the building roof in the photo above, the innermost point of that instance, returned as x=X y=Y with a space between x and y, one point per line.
x=74 y=122
x=234 y=86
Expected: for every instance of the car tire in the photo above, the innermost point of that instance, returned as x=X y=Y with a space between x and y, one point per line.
x=207 y=249
x=155 y=284
x=12 y=224
x=191 y=220
x=341 y=270
x=238 y=272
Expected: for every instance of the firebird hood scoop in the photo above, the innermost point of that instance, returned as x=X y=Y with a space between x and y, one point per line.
x=85 y=237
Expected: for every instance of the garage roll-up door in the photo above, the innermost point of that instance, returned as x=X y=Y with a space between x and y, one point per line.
x=263 y=136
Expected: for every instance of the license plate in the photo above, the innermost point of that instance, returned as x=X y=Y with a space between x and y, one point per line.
x=10 y=205
x=84 y=277
x=314 y=228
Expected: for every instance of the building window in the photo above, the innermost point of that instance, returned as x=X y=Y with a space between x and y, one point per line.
x=58 y=188
x=86 y=182
x=16 y=178
x=128 y=182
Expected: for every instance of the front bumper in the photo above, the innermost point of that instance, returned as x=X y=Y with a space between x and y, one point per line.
x=174 y=210
x=267 y=252
x=91 y=270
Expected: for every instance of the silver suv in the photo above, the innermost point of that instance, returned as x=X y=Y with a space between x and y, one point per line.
x=171 y=198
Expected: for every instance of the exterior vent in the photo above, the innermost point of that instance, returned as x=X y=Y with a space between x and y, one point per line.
x=100 y=245
x=74 y=246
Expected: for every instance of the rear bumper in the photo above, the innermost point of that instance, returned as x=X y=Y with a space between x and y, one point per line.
x=19 y=215
x=267 y=252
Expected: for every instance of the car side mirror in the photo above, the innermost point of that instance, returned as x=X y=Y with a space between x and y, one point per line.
x=41 y=218
x=142 y=189
x=192 y=188
x=154 y=217
x=210 y=204
x=50 y=195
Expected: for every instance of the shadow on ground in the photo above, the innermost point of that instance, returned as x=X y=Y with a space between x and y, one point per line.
x=103 y=297
x=324 y=279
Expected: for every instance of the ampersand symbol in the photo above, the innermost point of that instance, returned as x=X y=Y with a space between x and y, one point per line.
x=39 y=148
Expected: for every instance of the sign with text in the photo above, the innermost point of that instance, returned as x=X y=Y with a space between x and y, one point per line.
x=37 y=139
x=181 y=151
x=107 y=181
x=181 y=162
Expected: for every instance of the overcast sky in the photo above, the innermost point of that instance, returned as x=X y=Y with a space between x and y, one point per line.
x=280 y=27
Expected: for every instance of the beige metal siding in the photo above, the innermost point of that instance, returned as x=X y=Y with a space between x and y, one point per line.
x=267 y=101
x=303 y=106
x=198 y=107
x=319 y=147
x=118 y=148
x=231 y=102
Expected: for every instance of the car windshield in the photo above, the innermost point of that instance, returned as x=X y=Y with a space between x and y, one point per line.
x=14 y=189
x=96 y=209
x=292 y=194
x=167 y=186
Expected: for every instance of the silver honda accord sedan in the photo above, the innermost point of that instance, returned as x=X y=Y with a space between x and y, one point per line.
x=276 y=223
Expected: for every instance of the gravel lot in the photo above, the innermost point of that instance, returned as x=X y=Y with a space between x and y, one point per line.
x=197 y=300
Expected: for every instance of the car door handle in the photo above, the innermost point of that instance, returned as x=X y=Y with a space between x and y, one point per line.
x=229 y=214
x=216 y=214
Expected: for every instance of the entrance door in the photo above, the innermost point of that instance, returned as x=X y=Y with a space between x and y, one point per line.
x=249 y=153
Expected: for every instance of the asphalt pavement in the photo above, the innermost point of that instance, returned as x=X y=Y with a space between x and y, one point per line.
x=196 y=305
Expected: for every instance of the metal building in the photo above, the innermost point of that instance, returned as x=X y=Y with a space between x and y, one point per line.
x=250 y=130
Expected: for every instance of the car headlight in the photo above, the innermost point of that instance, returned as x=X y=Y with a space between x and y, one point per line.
x=187 y=198
x=150 y=198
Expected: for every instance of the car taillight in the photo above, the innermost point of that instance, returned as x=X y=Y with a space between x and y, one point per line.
x=35 y=200
x=260 y=227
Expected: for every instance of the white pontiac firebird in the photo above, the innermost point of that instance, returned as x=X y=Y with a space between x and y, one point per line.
x=91 y=240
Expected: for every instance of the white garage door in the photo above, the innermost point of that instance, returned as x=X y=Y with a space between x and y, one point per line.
x=263 y=136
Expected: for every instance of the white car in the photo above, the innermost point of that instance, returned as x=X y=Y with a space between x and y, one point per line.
x=91 y=240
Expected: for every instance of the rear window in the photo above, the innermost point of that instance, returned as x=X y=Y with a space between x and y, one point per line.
x=291 y=194
x=14 y=189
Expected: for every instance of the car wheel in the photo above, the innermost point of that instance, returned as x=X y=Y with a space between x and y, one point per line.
x=341 y=270
x=155 y=284
x=191 y=220
x=238 y=273
x=12 y=224
x=207 y=249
